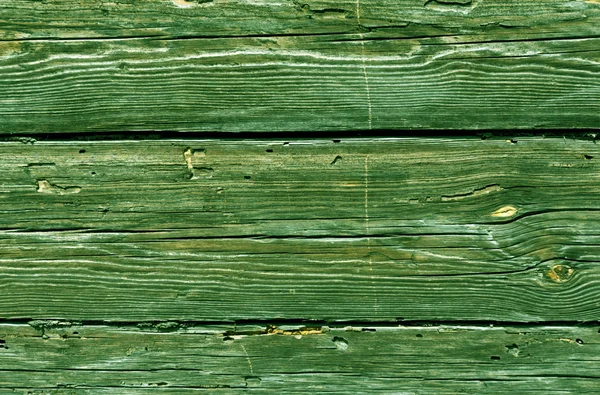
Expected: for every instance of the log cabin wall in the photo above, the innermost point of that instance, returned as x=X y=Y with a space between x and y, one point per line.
x=366 y=196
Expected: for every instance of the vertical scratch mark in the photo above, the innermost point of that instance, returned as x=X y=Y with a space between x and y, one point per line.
x=248 y=359
x=367 y=87
x=368 y=232
x=364 y=68
x=367 y=197
x=289 y=199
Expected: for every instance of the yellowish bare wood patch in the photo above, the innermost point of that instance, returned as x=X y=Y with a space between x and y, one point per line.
x=506 y=211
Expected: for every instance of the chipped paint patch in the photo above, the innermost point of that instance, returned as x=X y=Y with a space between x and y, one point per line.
x=190 y=154
x=504 y=212
x=187 y=156
x=474 y=193
x=273 y=330
x=8 y=48
x=191 y=4
x=184 y=4
x=567 y=340
x=44 y=186
x=455 y=6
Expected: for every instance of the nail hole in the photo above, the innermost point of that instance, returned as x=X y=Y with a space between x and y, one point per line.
x=286 y=143
x=579 y=341
x=337 y=141
x=588 y=157
x=419 y=335
x=495 y=358
x=369 y=330
x=247 y=177
x=93 y=173
x=82 y=151
x=268 y=150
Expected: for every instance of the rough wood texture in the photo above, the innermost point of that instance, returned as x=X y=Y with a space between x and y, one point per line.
x=413 y=360
x=86 y=19
x=70 y=66
x=411 y=266
x=384 y=230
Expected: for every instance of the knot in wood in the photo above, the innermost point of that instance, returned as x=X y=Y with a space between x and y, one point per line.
x=560 y=273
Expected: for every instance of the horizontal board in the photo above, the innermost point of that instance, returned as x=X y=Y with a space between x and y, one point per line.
x=358 y=229
x=424 y=360
x=265 y=66
x=88 y=19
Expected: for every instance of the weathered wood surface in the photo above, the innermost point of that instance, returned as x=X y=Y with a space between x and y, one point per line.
x=262 y=66
x=66 y=357
x=355 y=230
x=87 y=19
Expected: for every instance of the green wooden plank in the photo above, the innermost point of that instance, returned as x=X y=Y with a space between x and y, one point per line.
x=81 y=19
x=430 y=359
x=265 y=66
x=368 y=230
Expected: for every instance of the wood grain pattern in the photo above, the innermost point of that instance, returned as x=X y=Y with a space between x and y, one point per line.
x=351 y=230
x=265 y=66
x=371 y=265
x=88 y=19
x=67 y=357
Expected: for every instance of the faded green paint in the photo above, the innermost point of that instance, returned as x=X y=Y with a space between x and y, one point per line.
x=416 y=265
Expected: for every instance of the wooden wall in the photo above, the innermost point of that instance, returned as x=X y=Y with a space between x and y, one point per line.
x=366 y=196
